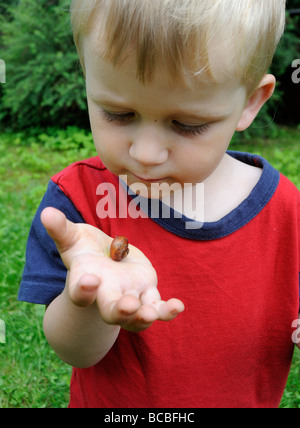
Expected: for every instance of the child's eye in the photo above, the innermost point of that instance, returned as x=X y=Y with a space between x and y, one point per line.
x=181 y=128
x=117 y=117
x=192 y=130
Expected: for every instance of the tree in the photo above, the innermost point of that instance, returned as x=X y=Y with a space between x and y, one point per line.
x=44 y=85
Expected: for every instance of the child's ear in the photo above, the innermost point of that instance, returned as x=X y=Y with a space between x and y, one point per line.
x=263 y=92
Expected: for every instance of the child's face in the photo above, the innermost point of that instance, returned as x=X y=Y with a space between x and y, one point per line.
x=158 y=132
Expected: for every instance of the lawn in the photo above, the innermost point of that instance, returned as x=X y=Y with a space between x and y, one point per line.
x=31 y=376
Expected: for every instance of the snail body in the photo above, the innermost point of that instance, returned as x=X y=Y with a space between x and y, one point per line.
x=119 y=248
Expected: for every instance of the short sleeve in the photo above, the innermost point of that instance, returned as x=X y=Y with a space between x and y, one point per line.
x=44 y=273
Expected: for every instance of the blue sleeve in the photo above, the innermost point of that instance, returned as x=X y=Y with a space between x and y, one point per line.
x=44 y=274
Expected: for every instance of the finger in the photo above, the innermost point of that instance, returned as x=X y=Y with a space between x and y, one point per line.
x=170 y=309
x=61 y=230
x=166 y=310
x=132 y=292
x=84 y=292
x=118 y=309
x=142 y=320
x=151 y=296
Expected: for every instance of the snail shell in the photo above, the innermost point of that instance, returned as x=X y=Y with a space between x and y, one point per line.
x=119 y=248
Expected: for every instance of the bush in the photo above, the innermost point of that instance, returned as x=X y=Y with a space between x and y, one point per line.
x=44 y=80
x=45 y=85
x=280 y=109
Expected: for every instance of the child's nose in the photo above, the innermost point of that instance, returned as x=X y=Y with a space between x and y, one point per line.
x=149 y=147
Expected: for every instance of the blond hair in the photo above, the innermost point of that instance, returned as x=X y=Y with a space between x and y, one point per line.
x=214 y=39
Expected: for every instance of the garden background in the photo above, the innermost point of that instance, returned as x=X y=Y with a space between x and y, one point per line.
x=43 y=128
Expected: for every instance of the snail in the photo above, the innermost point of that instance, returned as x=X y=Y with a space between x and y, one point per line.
x=119 y=248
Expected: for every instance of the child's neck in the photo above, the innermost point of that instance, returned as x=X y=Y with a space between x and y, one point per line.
x=227 y=187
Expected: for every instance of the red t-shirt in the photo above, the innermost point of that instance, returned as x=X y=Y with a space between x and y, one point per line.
x=238 y=279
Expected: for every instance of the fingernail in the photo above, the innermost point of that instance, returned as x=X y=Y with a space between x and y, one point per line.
x=89 y=288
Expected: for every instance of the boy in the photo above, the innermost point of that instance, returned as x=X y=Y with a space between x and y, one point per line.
x=168 y=83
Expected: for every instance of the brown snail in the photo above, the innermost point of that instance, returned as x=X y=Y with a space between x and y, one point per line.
x=119 y=248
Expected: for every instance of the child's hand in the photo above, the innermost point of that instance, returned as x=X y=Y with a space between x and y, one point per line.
x=126 y=292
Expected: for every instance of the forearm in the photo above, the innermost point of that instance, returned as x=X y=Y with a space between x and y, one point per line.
x=78 y=335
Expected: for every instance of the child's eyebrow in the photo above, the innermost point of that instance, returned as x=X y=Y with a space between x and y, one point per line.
x=189 y=114
x=197 y=115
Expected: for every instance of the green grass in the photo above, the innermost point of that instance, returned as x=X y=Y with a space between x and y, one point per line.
x=30 y=373
x=31 y=376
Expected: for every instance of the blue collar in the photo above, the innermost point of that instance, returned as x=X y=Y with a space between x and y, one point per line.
x=236 y=219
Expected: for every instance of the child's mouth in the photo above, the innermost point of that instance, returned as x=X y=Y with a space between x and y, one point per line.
x=149 y=179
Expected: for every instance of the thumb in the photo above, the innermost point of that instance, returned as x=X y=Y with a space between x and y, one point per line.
x=59 y=228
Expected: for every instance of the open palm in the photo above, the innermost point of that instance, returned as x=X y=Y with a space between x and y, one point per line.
x=126 y=292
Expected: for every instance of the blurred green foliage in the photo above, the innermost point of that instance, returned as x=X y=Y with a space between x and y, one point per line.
x=45 y=85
